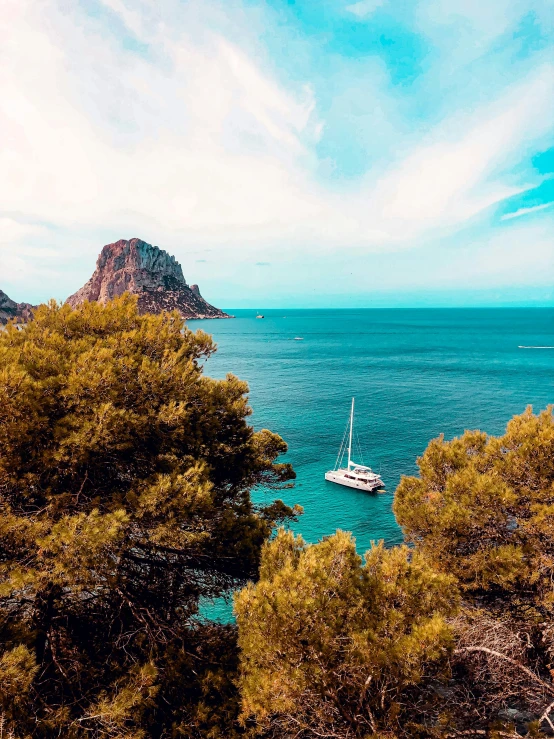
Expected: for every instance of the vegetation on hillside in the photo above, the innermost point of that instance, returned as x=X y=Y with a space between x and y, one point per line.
x=333 y=647
x=451 y=637
x=482 y=509
x=125 y=480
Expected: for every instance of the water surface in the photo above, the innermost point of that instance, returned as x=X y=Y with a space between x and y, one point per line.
x=414 y=373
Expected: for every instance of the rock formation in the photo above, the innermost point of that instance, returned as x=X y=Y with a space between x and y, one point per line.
x=149 y=272
x=22 y=312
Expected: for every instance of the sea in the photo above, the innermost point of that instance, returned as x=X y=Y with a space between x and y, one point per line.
x=414 y=374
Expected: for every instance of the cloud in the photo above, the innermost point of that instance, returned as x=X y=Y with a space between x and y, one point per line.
x=199 y=139
x=220 y=149
x=12 y=230
x=131 y=19
x=522 y=255
x=13 y=265
x=460 y=171
x=524 y=211
x=26 y=254
x=204 y=139
x=364 y=8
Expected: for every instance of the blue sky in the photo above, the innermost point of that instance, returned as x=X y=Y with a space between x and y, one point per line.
x=288 y=152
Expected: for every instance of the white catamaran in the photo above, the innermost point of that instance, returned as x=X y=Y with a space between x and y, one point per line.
x=353 y=475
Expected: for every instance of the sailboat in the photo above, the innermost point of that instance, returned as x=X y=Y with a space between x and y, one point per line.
x=354 y=475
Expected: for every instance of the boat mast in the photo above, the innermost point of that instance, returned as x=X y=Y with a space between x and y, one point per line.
x=350 y=439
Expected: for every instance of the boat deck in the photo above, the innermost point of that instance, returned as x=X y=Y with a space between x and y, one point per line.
x=368 y=481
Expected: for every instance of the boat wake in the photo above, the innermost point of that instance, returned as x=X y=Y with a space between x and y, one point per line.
x=535 y=347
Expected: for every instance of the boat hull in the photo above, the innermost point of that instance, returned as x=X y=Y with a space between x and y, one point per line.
x=340 y=479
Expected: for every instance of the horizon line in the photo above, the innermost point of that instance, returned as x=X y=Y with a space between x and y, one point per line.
x=396 y=307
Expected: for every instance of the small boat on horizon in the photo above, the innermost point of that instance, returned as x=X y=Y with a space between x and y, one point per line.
x=260 y=316
x=299 y=338
x=354 y=475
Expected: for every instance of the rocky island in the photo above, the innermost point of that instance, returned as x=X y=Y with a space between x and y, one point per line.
x=147 y=271
x=9 y=309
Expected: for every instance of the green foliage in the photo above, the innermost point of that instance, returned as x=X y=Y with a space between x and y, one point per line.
x=18 y=669
x=125 y=478
x=201 y=683
x=329 y=644
x=483 y=510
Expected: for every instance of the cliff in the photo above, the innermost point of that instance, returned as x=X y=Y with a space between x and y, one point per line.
x=9 y=309
x=149 y=272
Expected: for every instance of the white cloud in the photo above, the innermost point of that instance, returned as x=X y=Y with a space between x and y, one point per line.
x=522 y=255
x=364 y=8
x=485 y=20
x=457 y=173
x=132 y=19
x=470 y=28
x=14 y=266
x=12 y=230
x=26 y=254
x=214 y=145
x=197 y=142
x=524 y=211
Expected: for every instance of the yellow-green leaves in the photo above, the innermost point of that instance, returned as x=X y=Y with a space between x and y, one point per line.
x=81 y=543
x=125 y=478
x=481 y=508
x=120 y=713
x=17 y=670
x=329 y=642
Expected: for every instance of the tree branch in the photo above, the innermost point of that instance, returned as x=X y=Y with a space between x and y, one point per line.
x=545 y=716
x=494 y=653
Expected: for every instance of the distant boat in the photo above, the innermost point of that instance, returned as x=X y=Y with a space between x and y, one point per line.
x=260 y=316
x=353 y=475
x=299 y=338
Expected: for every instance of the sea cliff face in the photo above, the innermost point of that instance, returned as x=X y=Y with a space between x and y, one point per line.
x=147 y=271
x=9 y=309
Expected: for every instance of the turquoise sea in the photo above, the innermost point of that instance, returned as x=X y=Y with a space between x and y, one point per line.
x=414 y=373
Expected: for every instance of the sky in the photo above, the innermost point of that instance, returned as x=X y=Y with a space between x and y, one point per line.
x=298 y=153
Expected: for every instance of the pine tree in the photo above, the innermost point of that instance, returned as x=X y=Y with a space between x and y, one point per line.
x=125 y=479
x=333 y=647
x=482 y=509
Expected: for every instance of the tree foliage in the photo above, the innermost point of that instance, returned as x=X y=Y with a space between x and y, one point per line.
x=482 y=509
x=333 y=647
x=125 y=479
x=329 y=646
